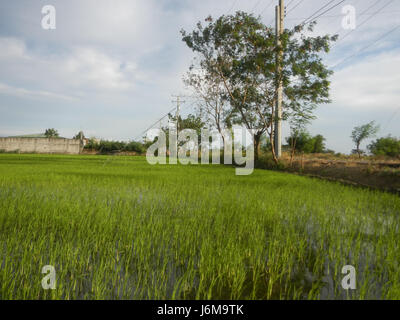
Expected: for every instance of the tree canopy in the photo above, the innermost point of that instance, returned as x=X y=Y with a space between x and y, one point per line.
x=51 y=133
x=304 y=142
x=241 y=53
x=387 y=146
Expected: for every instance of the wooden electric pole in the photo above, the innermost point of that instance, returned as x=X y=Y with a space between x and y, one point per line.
x=178 y=105
x=279 y=16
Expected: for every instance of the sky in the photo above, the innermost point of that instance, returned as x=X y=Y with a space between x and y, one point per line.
x=110 y=68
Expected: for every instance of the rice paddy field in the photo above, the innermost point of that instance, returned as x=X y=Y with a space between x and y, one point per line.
x=116 y=227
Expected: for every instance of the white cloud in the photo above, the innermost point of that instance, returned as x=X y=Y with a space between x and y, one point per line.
x=12 y=48
x=21 y=92
x=81 y=68
x=87 y=66
x=369 y=84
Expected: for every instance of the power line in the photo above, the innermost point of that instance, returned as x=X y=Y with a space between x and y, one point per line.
x=327 y=10
x=390 y=119
x=256 y=5
x=166 y=115
x=325 y=16
x=340 y=15
x=294 y=7
x=233 y=4
x=366 y=47
x=288 y=4
x=323 y=7
x=159 y=120
x=266 y=7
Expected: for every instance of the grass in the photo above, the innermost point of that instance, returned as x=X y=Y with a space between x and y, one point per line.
x=118 y=228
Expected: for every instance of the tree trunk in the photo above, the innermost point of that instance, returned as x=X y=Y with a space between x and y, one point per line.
x=302 y=161
x=222 y=135
x=293 y=150
x=271 y=139
x=222 y=157
x=257 y=139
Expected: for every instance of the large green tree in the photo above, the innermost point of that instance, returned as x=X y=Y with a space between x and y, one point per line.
x=241 y=52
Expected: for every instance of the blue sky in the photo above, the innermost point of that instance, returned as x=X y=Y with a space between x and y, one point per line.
x=110 y=67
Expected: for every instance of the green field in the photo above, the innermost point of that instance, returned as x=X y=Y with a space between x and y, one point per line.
x=118 y=228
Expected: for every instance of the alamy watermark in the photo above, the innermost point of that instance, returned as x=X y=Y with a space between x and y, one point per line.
x=49 y=18
x=349 y=281
x=187 y=146
x=349 y=19
x=49 y=280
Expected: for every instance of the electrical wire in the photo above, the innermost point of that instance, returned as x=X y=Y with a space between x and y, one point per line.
x=294 y=7
x=256 y=5
x=366 y=47
x=266 y=7
x=233 y=5
x=162 y=118
x=321 y=14
x=323 y=7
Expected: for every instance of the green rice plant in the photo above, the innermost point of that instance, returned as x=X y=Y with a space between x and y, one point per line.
x=124 y=229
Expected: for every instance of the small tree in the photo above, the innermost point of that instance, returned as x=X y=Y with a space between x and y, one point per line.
x=319 y=144
x=212 y=103
x=192 y=121
x=301 y=141
x=92 y=144
x=306 y=143
x=298 y=120
x=79 y=136
x=51 y=133
x=363 y=132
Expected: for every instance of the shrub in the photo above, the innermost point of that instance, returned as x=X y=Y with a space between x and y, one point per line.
x=265 y=161
x=134 y=146
x=105 y=146
x=91 y=145
x=306 y=143
x=388 y=146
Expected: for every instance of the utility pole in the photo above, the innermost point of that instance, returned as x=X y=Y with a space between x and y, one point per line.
x=178 y=105
x=279 y=16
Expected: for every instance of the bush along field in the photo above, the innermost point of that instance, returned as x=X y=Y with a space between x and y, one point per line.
x=118 y=228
